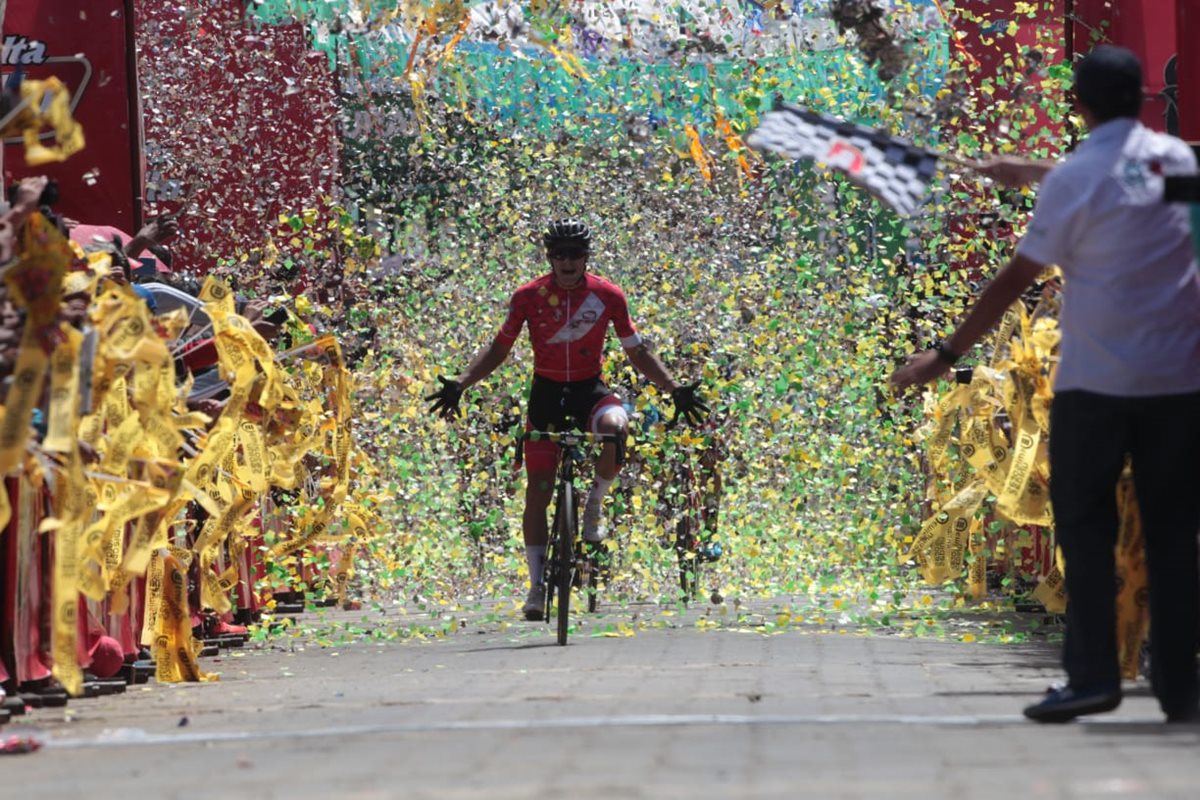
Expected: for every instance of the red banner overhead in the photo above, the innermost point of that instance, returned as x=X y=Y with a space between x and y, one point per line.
x=88 y=47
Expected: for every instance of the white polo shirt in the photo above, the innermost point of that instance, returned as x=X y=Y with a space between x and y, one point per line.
x=1131 y=297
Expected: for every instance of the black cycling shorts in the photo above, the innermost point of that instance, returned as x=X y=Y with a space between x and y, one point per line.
x=557 y=406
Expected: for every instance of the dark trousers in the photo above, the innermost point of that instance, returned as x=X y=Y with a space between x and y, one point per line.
x=1090 y=437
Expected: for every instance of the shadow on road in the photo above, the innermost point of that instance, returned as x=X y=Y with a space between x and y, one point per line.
x=1191 y=731
x=501 y=647
x=1133 y=691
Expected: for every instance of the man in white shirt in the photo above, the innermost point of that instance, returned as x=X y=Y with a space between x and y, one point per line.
x=1128 y=383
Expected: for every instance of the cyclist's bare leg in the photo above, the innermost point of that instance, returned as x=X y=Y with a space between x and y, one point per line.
x=613 y=422
x=606 y=465
x=539 y=490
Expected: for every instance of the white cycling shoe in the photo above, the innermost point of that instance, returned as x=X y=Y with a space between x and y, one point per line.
x=594 y=529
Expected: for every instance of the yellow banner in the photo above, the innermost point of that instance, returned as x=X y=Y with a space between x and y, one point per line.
x=944 y=535
x=1008 y=325
x=64 y=393
x=175 y=651
x=945 y=416
x=35 y=281
x=217 y=295
x=1051 y=592
x=149 y=533
x=1024 y=464
x=28 y=375
x=254 y=457
x=977 y=570
x=216 y=531
x=5 y=507
x=1133 y=583
x=65 y=592
x=154 y=595
x=50 y=102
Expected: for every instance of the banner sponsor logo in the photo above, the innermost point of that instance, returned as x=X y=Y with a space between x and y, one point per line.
x=22 y=51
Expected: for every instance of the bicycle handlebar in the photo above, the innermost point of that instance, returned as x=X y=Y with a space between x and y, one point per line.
x=570 y=439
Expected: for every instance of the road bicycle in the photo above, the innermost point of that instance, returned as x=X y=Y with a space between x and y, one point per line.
x=568 y=561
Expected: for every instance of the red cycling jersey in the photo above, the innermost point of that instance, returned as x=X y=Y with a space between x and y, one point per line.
x=567 y=327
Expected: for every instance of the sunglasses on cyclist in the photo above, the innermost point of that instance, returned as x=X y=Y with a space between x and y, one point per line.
x=566 y=254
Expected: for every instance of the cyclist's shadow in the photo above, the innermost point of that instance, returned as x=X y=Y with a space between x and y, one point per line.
x=513 y=646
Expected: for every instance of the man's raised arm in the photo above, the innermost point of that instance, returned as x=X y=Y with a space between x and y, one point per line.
x=687 y=403
x=445 y=400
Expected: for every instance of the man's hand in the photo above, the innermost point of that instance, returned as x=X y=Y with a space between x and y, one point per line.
x=266 y=329
x=920 y=368
x=445 y=400
x=154 y=233
x=159 y=230
x=688 y=405
x=29 y=191
x=8 y=241
x=121 y=271
x=253 y=310
x=208 y=406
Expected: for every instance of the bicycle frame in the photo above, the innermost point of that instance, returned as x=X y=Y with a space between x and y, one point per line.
x=563 y=557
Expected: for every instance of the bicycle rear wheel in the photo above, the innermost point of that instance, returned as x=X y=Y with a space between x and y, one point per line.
x=565 y=544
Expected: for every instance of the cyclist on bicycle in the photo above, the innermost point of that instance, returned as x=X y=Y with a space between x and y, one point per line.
x=568 y=311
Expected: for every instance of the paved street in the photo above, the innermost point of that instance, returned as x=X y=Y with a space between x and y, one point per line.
x=495 y=711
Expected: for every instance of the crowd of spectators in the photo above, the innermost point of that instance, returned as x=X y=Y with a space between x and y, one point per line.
x=113 y=643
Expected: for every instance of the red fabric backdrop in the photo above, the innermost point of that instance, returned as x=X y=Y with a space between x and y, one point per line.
x=240 y=125
x=1147 y=27
x=85 y=45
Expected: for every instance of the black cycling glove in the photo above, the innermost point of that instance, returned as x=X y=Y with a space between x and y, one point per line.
x=445 y=400
x=688 y=405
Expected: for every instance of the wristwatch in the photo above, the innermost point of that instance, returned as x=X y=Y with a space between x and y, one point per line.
x=946 y=354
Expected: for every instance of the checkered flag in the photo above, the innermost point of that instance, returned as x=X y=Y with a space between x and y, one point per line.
x=895 y=171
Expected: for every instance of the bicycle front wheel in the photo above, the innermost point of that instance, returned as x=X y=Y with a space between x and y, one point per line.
x=565 y=544
x=550 y=574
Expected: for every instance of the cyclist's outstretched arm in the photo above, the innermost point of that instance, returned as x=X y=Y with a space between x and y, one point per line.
x=446 y=399
x=688 y=404
x=485 y=362
x=646 y=362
